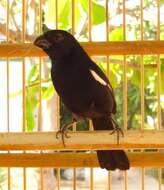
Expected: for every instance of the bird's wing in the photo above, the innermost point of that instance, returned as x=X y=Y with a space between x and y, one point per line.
x=99 y=76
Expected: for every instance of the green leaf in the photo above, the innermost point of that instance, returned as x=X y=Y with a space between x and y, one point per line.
x=98 y=13
x=117 y=34
x=48 y=93
x=84 y=4
x=33 y=75
x=31 y=105
x=64 y=14
x=50 y=14
x=30 y=122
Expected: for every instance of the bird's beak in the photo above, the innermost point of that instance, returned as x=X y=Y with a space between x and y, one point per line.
x=42 y=43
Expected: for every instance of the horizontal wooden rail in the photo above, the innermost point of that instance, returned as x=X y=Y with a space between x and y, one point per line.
x=93 y=140
x=93 y=48
x=75 y=160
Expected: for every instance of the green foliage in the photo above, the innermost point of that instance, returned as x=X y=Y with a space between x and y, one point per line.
x=64 y=13
x=32 y=91
x=116 y=75
x=117 y=34
x=3 y=176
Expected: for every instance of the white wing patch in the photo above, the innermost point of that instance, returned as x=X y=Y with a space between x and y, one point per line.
x=98 y=78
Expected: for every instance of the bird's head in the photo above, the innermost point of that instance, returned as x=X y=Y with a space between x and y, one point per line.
x=56 y=43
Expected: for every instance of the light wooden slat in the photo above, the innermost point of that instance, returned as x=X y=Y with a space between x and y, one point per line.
x=89 y=140
x=93 y=48
x=75 y=160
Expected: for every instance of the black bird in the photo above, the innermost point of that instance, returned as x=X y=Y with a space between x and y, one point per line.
x=83 y=88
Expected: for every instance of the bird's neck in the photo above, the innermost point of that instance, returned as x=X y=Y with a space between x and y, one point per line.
x=77 y=56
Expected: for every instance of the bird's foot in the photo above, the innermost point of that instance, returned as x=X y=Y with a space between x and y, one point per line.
x=63 y=132
x=117 y=130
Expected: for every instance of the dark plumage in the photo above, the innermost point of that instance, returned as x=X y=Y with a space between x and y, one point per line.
x=83 y=88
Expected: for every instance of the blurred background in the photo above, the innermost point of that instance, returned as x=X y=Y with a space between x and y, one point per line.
x=28 y=101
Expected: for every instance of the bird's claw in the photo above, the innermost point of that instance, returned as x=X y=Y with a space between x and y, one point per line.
x=63 y=132
x=117 y=130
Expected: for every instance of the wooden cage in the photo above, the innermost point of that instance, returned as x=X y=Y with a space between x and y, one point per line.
x=23 y=147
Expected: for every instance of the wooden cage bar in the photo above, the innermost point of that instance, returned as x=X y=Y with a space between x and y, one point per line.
x=93 y=48
x=137 y=159
x=77 y=140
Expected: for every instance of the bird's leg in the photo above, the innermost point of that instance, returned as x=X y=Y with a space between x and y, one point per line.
x=118 y=130
x=64 y=130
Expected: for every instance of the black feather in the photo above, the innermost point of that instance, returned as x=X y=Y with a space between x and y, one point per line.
x=83 y=87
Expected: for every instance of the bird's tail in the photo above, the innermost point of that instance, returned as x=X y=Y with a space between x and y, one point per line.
x=110 y=159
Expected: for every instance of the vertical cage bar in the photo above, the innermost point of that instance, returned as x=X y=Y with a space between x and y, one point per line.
x=40 y=90
x=160 y=178
x=90 y=20
x=107 y=18
x=141 y=23
x=58 y=106
x=56 y=13
x=124 y=69
x=158 y=19
x=91 y=179
x=58 y=178
x=8 y=122
x=73 y=17
x=7 y=33
x=40 y=71
x=142 y=179
x=23 y=63
x=158 y=67
x=124 y=19
x=125 y=93
x=58 y=98
x=142 y=91
x=40 y=96
x=41 y=178
x=91 y=169
x=109 y=180
x=23 y=81
x=159 y=86
x=108 y=75
x=126 y=180
x=142 y=73
x=74 y=178
x=7 y=20
x=74 y=169
x=8 y=106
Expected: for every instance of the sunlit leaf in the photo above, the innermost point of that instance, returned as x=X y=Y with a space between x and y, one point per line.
x=33 y=75
x=64 y=14
x=48 y=92
x=50 y=14
x=98 y=11
x=116 y=35
x=30 y=122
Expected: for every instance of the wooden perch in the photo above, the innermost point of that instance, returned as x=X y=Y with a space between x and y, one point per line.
x=93 y=48
x=89 y=140
x=139 y=159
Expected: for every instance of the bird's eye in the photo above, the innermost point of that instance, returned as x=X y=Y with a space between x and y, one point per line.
x=58 y=38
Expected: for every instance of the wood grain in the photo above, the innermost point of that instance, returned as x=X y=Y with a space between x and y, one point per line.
x=75 y=160
x=93 y=140
x=93 y=48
